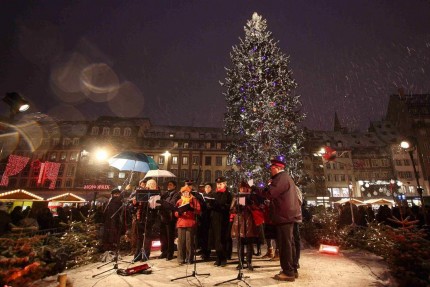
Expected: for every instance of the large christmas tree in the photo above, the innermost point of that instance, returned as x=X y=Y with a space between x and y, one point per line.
x=263 y=113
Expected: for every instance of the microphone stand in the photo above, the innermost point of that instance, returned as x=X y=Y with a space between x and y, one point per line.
x=240 y=275
x=142 y=252
x=116 y=256
x=194 y=273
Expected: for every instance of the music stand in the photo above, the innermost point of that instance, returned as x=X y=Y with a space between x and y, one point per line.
x=116 y=256
x=240 y=275
x=194 y=272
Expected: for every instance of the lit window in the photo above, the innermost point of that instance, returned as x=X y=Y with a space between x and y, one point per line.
x=68 y=183
x=195 y=160
x=95 y=131
x=161 y=160
x=70 y=170
x=106 y=131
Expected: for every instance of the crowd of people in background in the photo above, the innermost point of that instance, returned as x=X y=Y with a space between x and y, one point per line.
x=27 y=218
x=205 y=220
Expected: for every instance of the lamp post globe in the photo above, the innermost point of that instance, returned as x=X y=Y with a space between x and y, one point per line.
x=405 y=145
x=409 y=146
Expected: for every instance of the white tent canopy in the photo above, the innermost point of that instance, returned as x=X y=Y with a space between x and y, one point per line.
x=379 y=201
x=351 y=200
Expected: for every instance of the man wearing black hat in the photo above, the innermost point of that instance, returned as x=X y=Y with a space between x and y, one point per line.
x=220 y=213
x=285 y=211
x=112 y=221
x=168 y=220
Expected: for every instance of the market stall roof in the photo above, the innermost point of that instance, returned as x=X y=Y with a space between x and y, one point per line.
x=351 y=200
x=87 y=195
x=19 y=195
x=67 y=197
x=379 y=201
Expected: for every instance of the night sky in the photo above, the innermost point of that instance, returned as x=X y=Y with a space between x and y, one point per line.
x=164 y=59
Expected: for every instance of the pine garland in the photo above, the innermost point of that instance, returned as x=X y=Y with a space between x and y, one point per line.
x=25 y=259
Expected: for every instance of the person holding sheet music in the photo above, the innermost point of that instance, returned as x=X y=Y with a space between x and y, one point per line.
x=203 y=228
x=145 y=222
x=220 y=213
x=187 y=208
x=244 y=226
x=168 y=220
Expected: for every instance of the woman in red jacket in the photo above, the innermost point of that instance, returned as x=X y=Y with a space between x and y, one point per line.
x=187 y=209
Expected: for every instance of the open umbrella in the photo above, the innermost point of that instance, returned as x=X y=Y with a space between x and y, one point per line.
x=132 y=161
x=159 y=173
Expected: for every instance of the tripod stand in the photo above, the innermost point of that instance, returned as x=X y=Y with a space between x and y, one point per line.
x=194 y=272
x=240 y=276
x=116 y=255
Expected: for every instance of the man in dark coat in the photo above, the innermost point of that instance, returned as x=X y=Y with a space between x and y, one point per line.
x=168 y=220
x=203 y=228
x=220 y=212
x=285 y=211
x=112 y=221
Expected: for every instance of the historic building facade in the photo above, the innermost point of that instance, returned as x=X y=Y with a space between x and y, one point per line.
x=367 y=164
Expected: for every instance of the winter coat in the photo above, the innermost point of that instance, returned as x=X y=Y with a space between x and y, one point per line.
x=285 y=206
x=219 y=217
x=168 y=202
x=243 y=220
x=188 y=218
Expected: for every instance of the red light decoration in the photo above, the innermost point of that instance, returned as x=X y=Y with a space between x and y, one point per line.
x=329 y=154
x=156 y=244
x=49 y=170
x=329 y=249
x=14 y=166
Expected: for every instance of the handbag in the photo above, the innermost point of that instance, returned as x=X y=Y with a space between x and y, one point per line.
x=258 y=216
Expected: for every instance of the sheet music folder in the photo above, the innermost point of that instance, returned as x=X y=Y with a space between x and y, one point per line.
x=143 y=195
x=184 y=207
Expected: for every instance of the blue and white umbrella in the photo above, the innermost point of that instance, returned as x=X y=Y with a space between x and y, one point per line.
x=132 y=161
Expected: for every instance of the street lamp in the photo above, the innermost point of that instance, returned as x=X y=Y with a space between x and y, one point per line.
x=101 y=155
x=319 y=176
x=16 y=103
x=350 y=202
x=166 y=155
x=409 y=145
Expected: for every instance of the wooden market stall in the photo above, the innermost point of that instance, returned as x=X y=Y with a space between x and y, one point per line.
x=19 y=197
